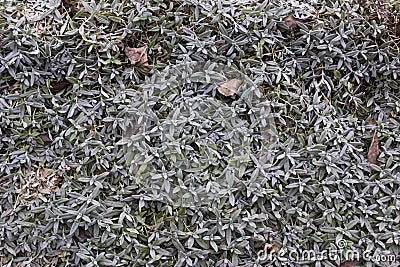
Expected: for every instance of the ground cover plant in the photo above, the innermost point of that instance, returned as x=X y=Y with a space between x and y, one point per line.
x=326 y=74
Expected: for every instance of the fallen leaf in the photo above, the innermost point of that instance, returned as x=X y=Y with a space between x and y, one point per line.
x=270 y=247
x=230 y=87
x=47 y=140
x=373 y=152
x=137 y=56
x=58 y=86
x=71 y=7
x=82 y=236
x=291 y=21
x=14 y=86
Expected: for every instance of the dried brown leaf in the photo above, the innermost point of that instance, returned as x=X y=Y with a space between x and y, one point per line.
x=230 y=87
x=373 y=152
x=137 y=56
x=291 y=21
x=71 y=7
x=47 y=140
x=58 y=86
x=271 y=247
x=82 y=235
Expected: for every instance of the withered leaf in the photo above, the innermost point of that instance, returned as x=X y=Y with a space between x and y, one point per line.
x=71 y=7
x=82 y=236
x=291 y=21
x=230 y=87
x=46 y=139
x=373 y=152
x=270 y=247
x=14 y=86
x=137 y=56
x=58 y=86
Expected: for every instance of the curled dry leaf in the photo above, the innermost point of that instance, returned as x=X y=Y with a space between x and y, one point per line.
x=137 y=56
x=373 y=152
x=230 y=87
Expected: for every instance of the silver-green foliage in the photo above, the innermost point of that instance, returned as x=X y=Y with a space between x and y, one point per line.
x=67 y=197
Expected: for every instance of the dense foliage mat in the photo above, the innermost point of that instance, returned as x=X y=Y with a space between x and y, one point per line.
x=71 y=71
